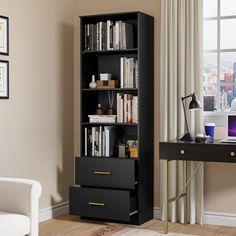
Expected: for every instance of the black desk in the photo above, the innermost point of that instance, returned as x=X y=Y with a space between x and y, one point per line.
x=191 y=151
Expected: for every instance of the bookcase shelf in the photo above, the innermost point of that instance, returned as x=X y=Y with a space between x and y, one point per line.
x=111 y=179
x=110 y=52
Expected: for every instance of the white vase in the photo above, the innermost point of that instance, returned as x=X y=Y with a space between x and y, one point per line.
x=93 y=84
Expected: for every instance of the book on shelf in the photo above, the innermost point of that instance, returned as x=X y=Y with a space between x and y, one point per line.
x=127 y=108
x=102 y=118
x=128 y=72
x=100 y=141
x=108 y=35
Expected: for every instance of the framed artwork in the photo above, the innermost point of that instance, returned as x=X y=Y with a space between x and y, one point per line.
x=4 y=79
x=4 y=35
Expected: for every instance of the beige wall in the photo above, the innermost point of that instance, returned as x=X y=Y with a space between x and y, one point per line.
x=36 y=123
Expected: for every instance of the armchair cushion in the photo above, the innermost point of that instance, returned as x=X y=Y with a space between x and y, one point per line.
x=19 y=200
x=19 y=224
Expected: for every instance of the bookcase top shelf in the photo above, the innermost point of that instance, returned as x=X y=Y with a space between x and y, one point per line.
x=110 y=52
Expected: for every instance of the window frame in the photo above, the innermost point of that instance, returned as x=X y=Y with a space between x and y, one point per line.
x=218 y=116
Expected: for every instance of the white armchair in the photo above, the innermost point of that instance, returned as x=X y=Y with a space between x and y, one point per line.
x=19 y=206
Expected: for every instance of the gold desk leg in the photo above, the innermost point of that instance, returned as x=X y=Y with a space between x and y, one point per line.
x=182 y=194
x=166 y=198
x=186 y=196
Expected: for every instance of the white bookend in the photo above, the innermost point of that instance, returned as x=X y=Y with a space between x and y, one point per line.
x=86 y=141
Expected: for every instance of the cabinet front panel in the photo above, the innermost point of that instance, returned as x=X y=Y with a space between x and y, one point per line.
x=105 y=172
x=102 y=203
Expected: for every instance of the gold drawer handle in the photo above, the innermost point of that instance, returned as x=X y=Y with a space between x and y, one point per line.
x=232 y=154
x=182 y=151
x=102 y=173
x=96 y=204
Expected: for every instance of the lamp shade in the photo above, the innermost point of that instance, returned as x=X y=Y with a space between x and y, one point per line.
x=194 y=104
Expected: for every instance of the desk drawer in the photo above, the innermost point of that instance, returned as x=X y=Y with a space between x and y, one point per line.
x=105 y=172
x=102 y=203
x=198 y=152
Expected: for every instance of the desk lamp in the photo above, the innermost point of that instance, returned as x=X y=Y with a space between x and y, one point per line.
x=193 y=105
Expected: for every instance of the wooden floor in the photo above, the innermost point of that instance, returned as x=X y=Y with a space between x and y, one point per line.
x=73 y=226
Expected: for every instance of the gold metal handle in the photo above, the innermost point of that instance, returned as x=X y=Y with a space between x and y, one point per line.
x=102 y=173
x=182 y=151
x=232 y=154
x=96 y=204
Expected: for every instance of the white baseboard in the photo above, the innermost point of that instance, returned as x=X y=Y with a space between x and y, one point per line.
x=210 y=218
x=216 y=218
x=157 y=213
x=54 y=211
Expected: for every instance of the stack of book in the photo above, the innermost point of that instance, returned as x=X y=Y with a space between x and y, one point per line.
x=102 y=118
x=108 y=36
x=100 y=141
x=128 y=73
x=127 y=108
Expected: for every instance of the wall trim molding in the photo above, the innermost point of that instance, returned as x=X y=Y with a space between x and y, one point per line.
x=218 y=218
x=211 y=218
x=54 y=211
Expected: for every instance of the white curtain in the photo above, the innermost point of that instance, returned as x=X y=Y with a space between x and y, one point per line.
x=181 y=75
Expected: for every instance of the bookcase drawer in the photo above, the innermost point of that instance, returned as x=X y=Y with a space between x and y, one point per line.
x=107 y=204
x=105 y=172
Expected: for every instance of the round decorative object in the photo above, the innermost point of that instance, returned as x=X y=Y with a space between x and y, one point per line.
x=93 y=84
x=232 y=154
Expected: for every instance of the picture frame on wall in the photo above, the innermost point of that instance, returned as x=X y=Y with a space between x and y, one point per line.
x=4 y=79
x=4 y=35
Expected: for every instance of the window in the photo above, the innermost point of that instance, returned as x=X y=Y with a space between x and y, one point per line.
x=219 y=58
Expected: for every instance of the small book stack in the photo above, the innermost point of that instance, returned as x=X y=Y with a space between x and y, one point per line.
x=102 y=118
x=127 y=108
x=128 y=73
x=100 y=141
x=108 y=36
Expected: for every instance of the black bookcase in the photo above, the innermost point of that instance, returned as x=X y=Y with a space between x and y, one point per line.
x=112 y=188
